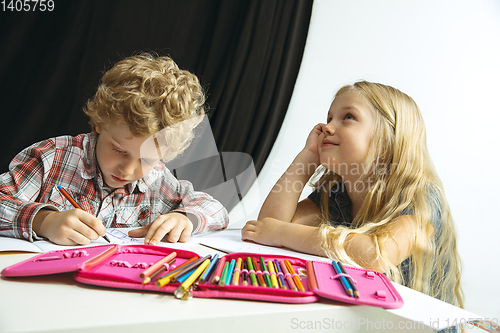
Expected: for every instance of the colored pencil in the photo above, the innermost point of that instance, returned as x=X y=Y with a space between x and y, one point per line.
x=165 y=279
x=311 y=276
x=236 y=278
x=206 y=274
x=181 y=278
x=218 y=270
x=100 y=258
x=75 y=204
x=288 y=276
x=343 y=280
x=264 y=271
x=160 y=270
x=153 y=268
x=253 y=278
x=189 y=267
x=280 y=276
x=259 y=274
x=274 y=281
x=230 y=272
x=245 y=275
x=222 y=281
x=296 y=279
x=183 y=288
x=349 y=279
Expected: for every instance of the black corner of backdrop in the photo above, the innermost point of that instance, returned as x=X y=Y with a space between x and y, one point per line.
x=247 y=55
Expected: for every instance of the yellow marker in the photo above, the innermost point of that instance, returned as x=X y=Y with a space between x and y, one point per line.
x=184 y=287
x=236 y=277
x=274 y=281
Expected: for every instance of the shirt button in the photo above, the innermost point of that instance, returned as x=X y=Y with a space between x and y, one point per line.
x=341 y=197
x=25 y=234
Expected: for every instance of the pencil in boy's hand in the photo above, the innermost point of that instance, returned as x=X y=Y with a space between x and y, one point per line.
x=75 y=204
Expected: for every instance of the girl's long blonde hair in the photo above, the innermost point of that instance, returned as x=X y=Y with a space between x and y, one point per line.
x=401 y=178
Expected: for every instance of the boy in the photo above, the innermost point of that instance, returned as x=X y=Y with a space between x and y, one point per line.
x=144 y=110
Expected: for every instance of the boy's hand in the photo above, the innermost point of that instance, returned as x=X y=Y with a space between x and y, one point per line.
x=70 y=227
x=172 y=227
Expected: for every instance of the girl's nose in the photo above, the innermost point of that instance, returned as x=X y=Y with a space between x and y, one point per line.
x=329 y=128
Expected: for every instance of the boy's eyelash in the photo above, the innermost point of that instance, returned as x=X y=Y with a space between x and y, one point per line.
x=118 y=150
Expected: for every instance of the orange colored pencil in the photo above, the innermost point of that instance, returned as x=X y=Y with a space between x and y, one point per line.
x=295 y=278
x=262 y=283
x=153 y=268
x=288 y=276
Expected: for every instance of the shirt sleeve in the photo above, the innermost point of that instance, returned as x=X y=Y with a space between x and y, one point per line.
x=19 y=190
x=204 y=211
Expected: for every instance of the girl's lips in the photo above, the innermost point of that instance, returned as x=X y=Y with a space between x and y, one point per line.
x=327 y=143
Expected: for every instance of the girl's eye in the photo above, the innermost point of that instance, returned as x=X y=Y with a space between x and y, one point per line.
x=349 y=116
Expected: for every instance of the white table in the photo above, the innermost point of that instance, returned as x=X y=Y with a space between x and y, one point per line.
x=57 y=303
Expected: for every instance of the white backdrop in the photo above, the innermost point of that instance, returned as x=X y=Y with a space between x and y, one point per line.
x=446 y=55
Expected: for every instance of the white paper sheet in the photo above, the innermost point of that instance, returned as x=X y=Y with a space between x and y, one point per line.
x=230 y=241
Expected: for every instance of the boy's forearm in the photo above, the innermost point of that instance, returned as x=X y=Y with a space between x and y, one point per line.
x=282 y=201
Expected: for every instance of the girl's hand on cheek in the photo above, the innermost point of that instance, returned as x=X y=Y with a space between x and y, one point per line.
x=171 y=227
x=267 y=231
x=312 y=142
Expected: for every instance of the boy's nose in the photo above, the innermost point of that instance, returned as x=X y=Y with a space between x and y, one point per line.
x=127 y=168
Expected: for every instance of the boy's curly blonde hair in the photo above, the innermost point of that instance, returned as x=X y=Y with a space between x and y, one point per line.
x=153 y=97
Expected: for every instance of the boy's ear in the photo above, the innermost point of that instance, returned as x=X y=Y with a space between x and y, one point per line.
x=97 y=129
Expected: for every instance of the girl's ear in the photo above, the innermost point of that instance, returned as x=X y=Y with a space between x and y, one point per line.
x=97 y=129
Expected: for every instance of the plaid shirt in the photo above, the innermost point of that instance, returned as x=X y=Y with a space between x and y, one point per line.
x=31 y=185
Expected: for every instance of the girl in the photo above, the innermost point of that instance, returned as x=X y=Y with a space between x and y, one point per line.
x=378 y=201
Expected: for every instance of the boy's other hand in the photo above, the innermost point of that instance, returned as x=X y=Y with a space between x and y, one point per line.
x=171 y=227
x=70 y=227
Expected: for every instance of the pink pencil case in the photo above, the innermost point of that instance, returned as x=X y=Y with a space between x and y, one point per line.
x=120 y=266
